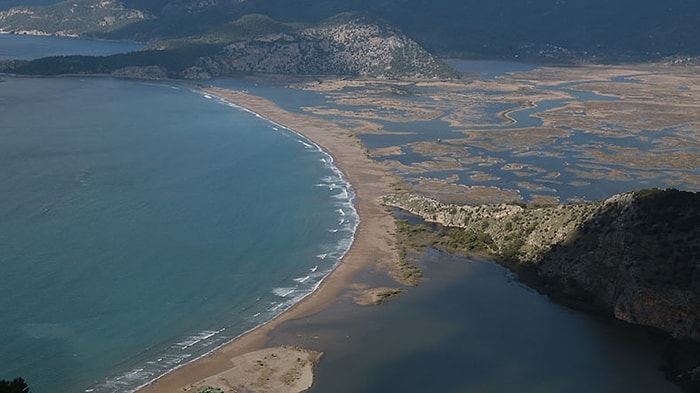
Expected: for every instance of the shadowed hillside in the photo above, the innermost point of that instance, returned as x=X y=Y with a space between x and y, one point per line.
x=346 y=44
x=537 y=30
x=634 y=256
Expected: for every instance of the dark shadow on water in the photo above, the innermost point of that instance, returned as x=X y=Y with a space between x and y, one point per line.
x=469 y=327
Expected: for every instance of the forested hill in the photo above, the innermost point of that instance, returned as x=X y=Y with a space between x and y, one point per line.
x=346 y=44
x=557 y=30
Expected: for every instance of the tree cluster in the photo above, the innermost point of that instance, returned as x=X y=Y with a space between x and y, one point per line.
x=17 y=385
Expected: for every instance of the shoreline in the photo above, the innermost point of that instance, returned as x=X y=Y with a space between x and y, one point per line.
x=372 y=246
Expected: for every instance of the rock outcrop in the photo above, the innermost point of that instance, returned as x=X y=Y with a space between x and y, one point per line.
x=639 y=258
x=635 y=256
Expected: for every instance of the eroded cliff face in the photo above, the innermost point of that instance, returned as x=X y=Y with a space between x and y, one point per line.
x=639 y=257
x=635 y=255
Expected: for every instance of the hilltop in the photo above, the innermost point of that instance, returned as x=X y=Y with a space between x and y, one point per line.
x=547 y=30
x=197 y=39
x=344 y=45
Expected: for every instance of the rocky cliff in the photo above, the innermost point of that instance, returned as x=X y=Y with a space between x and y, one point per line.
x=635 y=256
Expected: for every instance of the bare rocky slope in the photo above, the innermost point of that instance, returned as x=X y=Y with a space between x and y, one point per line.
x=354 y=48
x=635 y=256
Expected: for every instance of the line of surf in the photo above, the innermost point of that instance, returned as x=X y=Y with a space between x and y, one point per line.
x=351 y=220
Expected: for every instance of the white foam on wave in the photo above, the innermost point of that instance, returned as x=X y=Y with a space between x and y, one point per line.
x=123 y=382
x=287 y=297
x=327 y=180
x=283 y=292
x=350 y=220
x=342 y=195
x=178 y=354
x=197 y=338
x=306 y=145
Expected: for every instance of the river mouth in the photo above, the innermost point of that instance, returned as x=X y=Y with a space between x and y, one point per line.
x=471 y=327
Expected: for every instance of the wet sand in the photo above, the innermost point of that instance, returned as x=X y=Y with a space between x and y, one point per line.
x=372 y=248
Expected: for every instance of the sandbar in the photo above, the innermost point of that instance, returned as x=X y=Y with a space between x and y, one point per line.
x=276 y=369
x=373 y=246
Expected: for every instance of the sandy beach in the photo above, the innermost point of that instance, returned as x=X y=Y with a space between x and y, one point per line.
x=372 y=248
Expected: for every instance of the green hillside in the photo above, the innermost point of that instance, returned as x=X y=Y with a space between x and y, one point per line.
x=544 y=30
x=346 y=44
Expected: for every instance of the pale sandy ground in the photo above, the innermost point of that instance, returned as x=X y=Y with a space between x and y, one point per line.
x=373 y=248
x=278 y=369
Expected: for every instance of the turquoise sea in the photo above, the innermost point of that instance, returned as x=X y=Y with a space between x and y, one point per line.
x=143 y=224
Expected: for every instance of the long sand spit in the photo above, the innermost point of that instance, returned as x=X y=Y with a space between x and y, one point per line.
x=372 y=247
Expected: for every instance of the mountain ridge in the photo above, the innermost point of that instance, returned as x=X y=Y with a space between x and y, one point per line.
x=344 y=45
x=544 y=30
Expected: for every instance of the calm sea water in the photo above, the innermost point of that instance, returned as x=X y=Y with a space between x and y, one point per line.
x=32 y=47
x=143 y=225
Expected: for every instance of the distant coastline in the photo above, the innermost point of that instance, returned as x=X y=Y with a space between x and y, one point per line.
x=372 y=245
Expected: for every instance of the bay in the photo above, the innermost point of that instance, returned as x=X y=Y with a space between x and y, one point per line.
x=142 y=225
x=28 y=47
